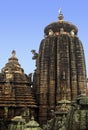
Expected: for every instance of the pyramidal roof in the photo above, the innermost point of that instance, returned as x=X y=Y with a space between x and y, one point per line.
x=13 y=65
x=16 y=85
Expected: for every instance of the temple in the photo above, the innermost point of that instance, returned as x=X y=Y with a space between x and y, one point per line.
x=59 y=77
x=60 y=67
x=16 y=96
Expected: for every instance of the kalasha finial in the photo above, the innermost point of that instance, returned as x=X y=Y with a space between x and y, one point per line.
x=60 y=11
x=60 y=15
x=13 y=53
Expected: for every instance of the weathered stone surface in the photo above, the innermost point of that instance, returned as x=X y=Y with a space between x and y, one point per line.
x=15 y=92
x=70 y=117
x=60 y=75
x=60 y=70
x=77 y=118
x=58 y=120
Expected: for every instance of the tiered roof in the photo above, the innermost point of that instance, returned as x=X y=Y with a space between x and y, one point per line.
x=15 y=89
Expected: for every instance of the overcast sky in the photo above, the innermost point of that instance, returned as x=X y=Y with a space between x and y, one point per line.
x=22 y=24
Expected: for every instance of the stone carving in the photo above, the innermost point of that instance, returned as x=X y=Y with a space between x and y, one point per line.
x=51 y=32
x=32 y=125
x=61 y=31
x=56 y=123
x=6 y=111
x=35 y=55
x=30 y=78
x=77 y=117
x=61 y=69
x=18 y=123
x=72 y=33
x=13 y=53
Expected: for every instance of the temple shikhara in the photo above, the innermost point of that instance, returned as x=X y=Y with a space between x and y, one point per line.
x=54 y=96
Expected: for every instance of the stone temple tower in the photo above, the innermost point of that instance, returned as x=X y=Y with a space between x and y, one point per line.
x=16 y=97
x=60 y=67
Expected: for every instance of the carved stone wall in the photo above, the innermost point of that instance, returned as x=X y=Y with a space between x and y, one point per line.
x=60 y=70
x=16 y=97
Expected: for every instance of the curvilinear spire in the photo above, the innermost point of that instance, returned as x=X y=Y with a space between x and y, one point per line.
x=61 y=70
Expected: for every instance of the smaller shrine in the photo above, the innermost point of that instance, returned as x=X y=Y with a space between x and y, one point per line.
x=70 y=115
x=59 y=116
x=32 y=125
x=16 y=96
x=19 y=123
x=77 y=118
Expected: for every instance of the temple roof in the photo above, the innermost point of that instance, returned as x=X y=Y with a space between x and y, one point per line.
x=61 y=23
x=15 y=87
x=13 y=65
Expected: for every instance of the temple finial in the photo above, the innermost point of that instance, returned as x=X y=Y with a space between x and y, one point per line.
x=13 y=53
x=60 y=14
x=60 y=11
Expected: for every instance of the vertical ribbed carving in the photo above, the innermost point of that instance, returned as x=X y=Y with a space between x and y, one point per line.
x=63 y=68
x=73 y=69
x=60 y=72
x=80 y=66
x=52 y=72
